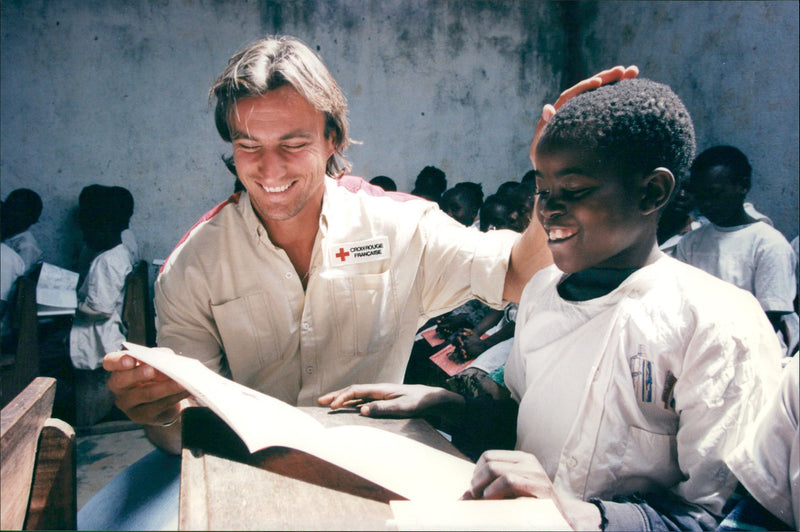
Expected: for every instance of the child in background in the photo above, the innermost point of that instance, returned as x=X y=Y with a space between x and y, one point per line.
x=97 y=328
x=462 y=202
x=735 y=246
x=21 y=210
x=124 y=201
x=635 y=374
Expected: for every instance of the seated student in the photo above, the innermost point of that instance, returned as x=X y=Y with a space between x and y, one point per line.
x=485 y=374
x=430 y=183
x=21 y=209
x=385 y=182
x=676 y=221
x=767 y=463
x=735 y=247
x=635 y=374
x=124 y=200
x=11 y=268
x=97 y=327
x=462 y=202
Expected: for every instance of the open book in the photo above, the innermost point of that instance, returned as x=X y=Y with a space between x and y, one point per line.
x=56 y=291
x=262 y=421
x=409 y=468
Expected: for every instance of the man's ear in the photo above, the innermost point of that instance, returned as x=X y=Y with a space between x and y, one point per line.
x=657 y=189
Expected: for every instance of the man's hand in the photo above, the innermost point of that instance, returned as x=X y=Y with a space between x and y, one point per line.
x=389 y=400
x=146 y=395
x=601 y=78
x=511 y=474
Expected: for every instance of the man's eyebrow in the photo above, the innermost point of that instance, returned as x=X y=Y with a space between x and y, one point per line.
x=236 y=134
x=300 y=133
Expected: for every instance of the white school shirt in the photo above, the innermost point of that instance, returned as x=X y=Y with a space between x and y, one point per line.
x=103 y=290
x=129 y=241
x=767 y=463
x=11 y=267
x=667 y=372
x=755 y=257
x=27 y=247
x=380 y=268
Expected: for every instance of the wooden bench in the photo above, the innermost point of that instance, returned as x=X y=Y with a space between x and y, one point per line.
x=137 y=309
x=37 y=463
x=21 y=365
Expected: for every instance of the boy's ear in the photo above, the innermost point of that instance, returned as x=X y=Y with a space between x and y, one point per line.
x=657 y=188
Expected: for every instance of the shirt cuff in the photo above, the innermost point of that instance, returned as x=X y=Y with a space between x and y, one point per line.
x=620 y=516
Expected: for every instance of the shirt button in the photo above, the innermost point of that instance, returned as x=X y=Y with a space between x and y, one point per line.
x=309 y=369
x=306 y=326
x=288 y=275
x=572 y=462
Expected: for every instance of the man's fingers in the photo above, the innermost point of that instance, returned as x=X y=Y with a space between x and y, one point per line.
x=118 y=360
x=156 y=392
x=121 y=380
x=631 y=72
x=159 y=411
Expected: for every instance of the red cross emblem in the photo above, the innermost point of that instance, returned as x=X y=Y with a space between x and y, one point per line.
x=342 y=254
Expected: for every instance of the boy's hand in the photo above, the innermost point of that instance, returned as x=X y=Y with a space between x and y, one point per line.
x=511 y=474
x=146 y=395
x=601 y=78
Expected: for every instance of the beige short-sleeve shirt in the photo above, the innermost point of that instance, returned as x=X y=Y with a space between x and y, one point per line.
x=380 y=268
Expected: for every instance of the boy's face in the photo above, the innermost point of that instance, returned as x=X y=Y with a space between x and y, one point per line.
x=718 y=197
x=591 y=215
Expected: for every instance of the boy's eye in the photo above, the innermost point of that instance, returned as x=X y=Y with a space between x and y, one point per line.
x=576 y=194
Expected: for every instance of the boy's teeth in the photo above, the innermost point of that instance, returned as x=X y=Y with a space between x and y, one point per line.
x=276 y=189
x=560 y=234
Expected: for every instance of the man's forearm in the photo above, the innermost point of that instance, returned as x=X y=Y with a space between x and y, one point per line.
x=529 y=255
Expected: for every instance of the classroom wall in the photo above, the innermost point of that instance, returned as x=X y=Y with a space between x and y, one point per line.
x=735 y=65
x=115 y=92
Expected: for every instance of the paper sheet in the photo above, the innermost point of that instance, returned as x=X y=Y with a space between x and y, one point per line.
x=56 y=287
x=402 y=465
x=507 y=514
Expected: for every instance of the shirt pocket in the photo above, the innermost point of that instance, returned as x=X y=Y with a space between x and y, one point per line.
x=366 y=309
x=247 y=328
x=649 y=459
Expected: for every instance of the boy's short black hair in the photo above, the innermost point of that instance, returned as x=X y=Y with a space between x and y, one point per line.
x=731 y=158
x=21 y=209
x=636 y=125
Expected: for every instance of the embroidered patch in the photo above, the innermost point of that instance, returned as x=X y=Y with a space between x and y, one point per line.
x=358 y=252
x=642 y=375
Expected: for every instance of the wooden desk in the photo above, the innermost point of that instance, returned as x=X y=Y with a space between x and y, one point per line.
x=225 y=488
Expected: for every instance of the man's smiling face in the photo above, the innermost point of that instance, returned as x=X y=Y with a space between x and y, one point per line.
x=280 y=152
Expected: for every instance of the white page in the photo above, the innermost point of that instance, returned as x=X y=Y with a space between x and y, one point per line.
x=56 y=287
x=402 y=465
x=524 y=513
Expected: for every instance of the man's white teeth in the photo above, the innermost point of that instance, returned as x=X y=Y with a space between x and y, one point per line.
x=276 y=189
x=560 y=234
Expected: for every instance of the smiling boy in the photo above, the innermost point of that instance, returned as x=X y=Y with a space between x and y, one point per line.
x=635 y=374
